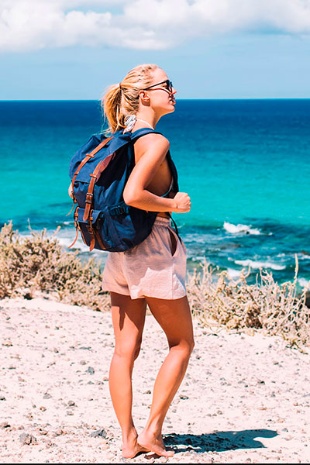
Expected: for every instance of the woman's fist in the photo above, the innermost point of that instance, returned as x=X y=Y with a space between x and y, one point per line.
x=182 y=202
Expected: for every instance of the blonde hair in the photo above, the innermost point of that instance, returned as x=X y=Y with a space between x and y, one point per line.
x=122 y=100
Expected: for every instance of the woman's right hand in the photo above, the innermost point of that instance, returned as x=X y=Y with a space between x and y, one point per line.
x=182 y=202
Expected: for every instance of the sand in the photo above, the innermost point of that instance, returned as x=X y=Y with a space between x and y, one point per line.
x=244 y=399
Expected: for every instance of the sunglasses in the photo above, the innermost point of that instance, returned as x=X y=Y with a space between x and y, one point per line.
x=169 y=85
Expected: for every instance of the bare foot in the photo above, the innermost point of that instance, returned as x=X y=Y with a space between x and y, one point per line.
x=154 y=444
x=129 y=452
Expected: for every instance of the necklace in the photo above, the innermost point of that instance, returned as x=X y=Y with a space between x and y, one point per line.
x=145 y=122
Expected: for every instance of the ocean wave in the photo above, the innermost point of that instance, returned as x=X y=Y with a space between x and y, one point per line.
x=240 y=229
x=233 y=274
x=258 y=265
x=304 y=283
x=304 y=255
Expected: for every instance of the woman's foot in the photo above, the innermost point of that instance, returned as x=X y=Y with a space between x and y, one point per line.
x=132 y=450
x=154 y=444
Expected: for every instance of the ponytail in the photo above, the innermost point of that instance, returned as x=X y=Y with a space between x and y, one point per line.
x=111 y=106
x=122 y=100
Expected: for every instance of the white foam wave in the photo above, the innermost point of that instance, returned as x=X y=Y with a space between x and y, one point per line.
x=233 y=274
x=240 y=229
x=304 y=283
x=66 y=242
x=258 y=265
x=303 y=256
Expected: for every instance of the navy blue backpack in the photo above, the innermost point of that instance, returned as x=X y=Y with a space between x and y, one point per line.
x=99 y=171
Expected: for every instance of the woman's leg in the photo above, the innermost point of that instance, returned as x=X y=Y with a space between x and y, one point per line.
x=174 y=316
x=128 y=317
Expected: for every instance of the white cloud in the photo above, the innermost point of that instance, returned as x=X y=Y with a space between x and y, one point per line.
x=141 y=24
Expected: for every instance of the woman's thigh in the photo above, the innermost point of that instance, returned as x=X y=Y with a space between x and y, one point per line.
x=128 y=318
x=175 y=318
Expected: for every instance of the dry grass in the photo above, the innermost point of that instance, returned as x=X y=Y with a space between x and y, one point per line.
x=38 y=264
x=267 y=306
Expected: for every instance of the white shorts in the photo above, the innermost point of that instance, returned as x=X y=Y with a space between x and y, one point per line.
x=152 y=268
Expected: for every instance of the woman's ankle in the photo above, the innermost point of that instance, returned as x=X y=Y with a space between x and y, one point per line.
x=154 y=443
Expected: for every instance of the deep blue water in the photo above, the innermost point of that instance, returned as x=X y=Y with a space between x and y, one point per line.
x=245 y=164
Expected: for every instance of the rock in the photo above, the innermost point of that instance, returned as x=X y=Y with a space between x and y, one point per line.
x=27 y=439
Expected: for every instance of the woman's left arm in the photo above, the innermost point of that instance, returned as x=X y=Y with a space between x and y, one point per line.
x=150 y=152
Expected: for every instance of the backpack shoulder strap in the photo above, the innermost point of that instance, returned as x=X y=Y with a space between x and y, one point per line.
x=142 y=132
x=116 y=141
x=89 y=156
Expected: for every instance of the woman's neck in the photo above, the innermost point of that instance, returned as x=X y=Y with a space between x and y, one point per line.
x=145 y=122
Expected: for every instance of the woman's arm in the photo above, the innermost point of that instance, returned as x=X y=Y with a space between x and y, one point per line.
x=150 y=154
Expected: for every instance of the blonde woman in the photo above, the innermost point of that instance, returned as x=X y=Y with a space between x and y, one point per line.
x=153 y=273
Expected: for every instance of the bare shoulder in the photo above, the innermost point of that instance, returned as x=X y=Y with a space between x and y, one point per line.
x=151 y=142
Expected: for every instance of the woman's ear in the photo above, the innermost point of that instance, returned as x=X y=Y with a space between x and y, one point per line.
x=144 y=96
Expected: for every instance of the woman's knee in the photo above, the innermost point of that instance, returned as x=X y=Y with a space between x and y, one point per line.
x=184 y=347
x=129 y=349
x=190 y=346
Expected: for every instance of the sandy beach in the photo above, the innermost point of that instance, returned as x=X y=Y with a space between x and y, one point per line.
x=245 y=399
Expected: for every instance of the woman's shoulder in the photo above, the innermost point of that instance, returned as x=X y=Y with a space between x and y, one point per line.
x=153 y=139
x=153 y=146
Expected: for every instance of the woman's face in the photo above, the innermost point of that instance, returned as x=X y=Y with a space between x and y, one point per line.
x=161 y=92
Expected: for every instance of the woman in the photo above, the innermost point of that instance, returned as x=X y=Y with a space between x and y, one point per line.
x=153 y=273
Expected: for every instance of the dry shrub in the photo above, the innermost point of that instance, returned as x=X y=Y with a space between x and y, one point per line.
x=276 y=309
x=38 y=263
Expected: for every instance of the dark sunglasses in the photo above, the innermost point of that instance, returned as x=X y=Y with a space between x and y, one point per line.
x=169 y=85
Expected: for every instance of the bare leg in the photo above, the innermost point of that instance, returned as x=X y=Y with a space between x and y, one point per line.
x=174 y=316
x=128 y=317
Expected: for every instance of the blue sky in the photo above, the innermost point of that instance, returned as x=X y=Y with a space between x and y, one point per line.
x=73 y=49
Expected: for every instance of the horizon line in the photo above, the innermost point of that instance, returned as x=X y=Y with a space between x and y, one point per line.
x=179 y=99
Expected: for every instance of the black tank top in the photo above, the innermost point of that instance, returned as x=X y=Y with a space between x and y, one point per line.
x=174 y=186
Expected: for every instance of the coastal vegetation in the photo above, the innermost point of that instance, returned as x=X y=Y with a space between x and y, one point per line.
x=37 y=264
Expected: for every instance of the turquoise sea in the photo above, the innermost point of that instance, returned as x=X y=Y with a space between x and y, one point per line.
x=245 y=164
